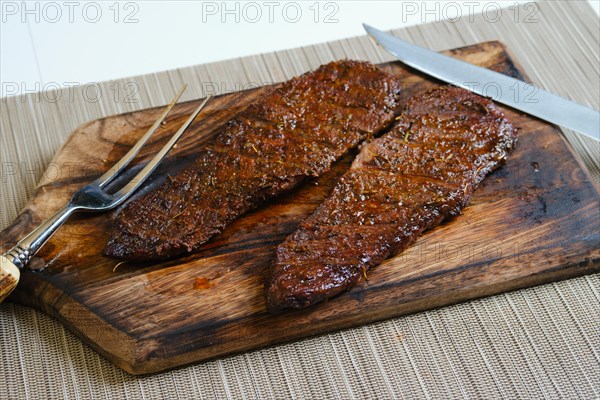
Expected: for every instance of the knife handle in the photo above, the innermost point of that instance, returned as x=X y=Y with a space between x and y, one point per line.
x=9 y=277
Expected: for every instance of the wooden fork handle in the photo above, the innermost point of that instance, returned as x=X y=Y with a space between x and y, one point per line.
x=9 y=277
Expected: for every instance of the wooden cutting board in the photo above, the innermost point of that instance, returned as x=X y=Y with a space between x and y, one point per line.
x=533 y=221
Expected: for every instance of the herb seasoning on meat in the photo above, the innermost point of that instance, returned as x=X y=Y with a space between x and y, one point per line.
x=409 y=180
x=296 y=131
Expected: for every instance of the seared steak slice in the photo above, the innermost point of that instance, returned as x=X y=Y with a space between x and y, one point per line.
x=409 y=180
x=296 y=131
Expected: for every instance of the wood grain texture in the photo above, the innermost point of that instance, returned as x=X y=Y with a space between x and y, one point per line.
x=534 y=220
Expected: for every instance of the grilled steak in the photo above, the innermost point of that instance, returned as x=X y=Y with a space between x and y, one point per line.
x=409 y=180
x=298 y=130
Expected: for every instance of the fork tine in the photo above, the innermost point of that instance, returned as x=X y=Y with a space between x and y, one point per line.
x=130 y=187
x=127 y=158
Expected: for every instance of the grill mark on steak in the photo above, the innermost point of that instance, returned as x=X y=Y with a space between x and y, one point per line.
x=298 y=130
x=409 y=180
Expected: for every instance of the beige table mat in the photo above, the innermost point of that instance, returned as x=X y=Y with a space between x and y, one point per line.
x=542 y=342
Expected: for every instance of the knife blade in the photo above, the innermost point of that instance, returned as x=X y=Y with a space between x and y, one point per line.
x=507 y=90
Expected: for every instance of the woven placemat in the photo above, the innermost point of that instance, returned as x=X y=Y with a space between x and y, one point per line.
x=542 y=342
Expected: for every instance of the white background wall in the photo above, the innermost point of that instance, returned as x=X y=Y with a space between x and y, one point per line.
x=49 y=44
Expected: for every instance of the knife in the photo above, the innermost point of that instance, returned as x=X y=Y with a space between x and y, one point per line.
x=541 y=104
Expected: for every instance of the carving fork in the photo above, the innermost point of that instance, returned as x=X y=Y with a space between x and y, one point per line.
x=89 y=198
